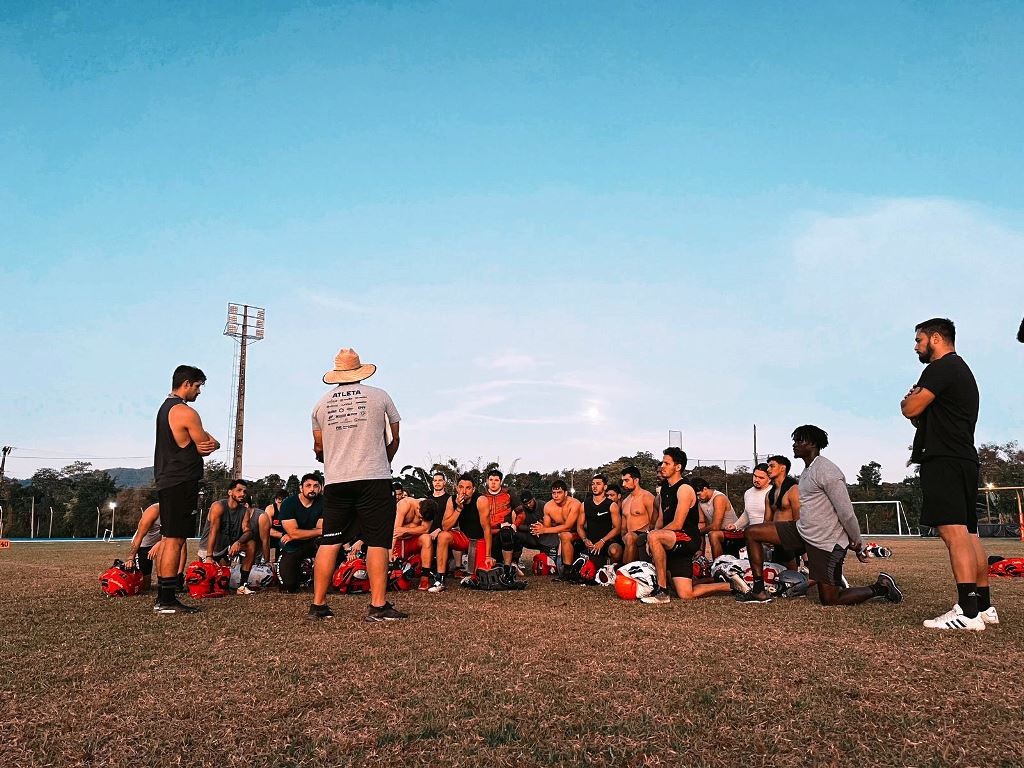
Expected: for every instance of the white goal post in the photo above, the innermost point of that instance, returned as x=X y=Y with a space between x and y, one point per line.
x=864 y=510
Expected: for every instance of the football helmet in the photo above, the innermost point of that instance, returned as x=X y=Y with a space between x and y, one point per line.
x=635 y=580
x=121 y=579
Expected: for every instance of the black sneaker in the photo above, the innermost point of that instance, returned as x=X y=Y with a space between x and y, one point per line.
x=319 y=612
x=888 y=583
x=386 y=612
x=753 y=597
x=175 y=606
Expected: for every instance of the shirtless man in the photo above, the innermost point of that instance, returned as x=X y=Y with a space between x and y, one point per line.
x=677 y=538
x=410 y=525
x=598 y=526
x=781 y=511
x=637 y=515
x=440 y=496
x=560 y=516
x=719 y=519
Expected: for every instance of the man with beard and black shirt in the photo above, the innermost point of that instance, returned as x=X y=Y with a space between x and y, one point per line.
x=676 y=539
x=301 y=518
x=466 y=520
x=598 y=526
x=181 y=444
x=227 y=533
x=943 y=405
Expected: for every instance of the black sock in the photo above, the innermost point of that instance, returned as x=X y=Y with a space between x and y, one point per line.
x=180 y=580
x=984 y=599
x=757 y=587
x=165 y=589
x=245 y=578
x=967 y=596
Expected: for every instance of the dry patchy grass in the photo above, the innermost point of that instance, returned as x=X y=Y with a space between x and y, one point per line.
x=555 y=675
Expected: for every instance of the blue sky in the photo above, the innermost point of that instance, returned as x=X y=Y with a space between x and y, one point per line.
x=560 y=229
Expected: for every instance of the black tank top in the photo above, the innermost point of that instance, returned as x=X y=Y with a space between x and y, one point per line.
x=669 y=502
x=173 y=464
x=442 y=505
x=469 y=518
x=598 y=517
x=787 y=483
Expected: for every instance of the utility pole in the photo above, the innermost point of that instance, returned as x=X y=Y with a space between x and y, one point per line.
x=3 y=462
x=245 y=323
x=755 y=446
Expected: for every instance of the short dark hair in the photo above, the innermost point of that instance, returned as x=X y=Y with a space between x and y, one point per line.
x=428 y=509
x=678 y=455
x=526 y=496
x=185 y=373
x=466 y=476
x=631 y=471
x=780 y=459
x=397 y=486
x=698 y=484
x=559 y=485
x=763 y=467
x=811 y=434
x=496 y=473
x=310 y=476
x=615 y=487
x=237 y=482
x=281 y=494
x=940 y=325
x=439 y=473
x=602 y=477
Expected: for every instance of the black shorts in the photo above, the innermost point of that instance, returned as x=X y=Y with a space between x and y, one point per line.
x=826 y=567
x=950 y=490
x=360 y=507
x=680 y=557
x=178 y=507
x=145 y=564
x=790 y=539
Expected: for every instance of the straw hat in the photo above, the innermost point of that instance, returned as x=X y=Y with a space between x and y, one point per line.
x=348 y=368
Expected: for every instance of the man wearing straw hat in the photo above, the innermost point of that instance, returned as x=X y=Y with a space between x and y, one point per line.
x=351 y=425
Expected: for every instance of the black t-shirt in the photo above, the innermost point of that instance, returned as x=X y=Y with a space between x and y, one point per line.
x=305 y=517
x=469 y=518
x=597 y=518
x=946 y=428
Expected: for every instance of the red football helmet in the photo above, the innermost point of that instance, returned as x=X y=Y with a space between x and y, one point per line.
x=701 y=566
x=121 y=579
x=351 y=577
x=206 y=579
x=544 y=565
x=401 y=575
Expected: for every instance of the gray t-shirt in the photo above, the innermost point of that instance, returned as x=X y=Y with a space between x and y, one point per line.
x=707 y=508
x=354 y=419
x=827 y=518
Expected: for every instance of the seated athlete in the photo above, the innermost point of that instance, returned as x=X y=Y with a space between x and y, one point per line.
x=637 y=516
x=270 y=529
x=676 y=537
x=754 y=499
x=227 y=526
x=525 y=539
x=399 y=490
x=466 y=527
x=428 y=540
x=598 y=526
x=411 y=525
x=719 y=520
x=145 y=547
x=826 y=528
x=560 y=516
x=301 y=518
x=504 y=513
x=781 y=511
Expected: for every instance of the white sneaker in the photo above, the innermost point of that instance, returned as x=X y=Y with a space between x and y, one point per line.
x=989 y=615
x=244 y=590
x=955 y=619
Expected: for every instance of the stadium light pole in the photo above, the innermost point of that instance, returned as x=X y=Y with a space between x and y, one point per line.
x=245 y=323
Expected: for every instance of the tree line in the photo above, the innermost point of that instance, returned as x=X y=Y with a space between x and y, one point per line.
x=78 y=490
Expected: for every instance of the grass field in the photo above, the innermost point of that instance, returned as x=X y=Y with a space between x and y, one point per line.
x=555 y=675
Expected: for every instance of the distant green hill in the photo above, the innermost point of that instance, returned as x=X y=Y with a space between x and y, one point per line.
x=131 y=477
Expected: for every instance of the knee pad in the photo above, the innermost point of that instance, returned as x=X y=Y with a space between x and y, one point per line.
x=507 y=537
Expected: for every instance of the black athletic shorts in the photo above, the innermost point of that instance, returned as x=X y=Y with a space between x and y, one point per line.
x=178 y=506
x=790 y=539
x=680 y=557
x=366 y=507
x=145 y=564
x=826 y=567
x=950 y=490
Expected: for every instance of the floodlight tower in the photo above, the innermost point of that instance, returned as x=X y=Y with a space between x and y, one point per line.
x=245 y=324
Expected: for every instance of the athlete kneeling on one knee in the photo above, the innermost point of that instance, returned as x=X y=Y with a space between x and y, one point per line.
x=227 y=533
x=301 y=517
x=676 y=538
